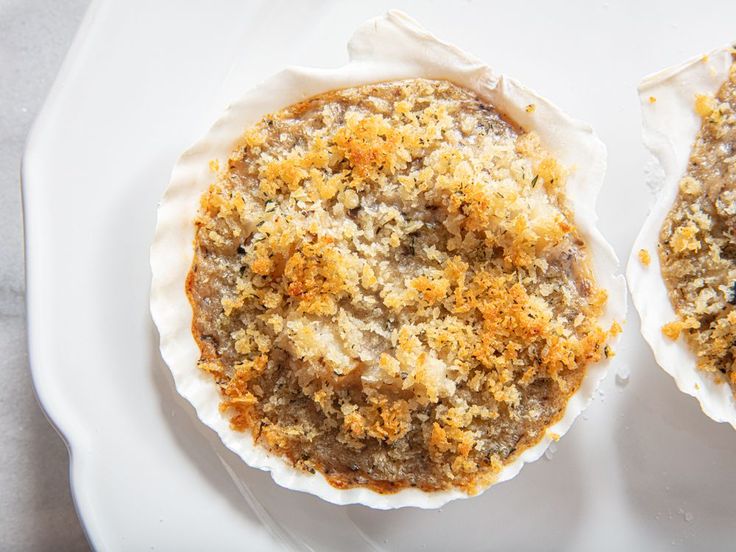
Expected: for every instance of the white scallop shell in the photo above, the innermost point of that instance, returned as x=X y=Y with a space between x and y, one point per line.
x=382 y=49
x=670 y=126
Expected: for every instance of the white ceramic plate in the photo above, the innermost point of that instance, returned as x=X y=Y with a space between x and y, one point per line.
x=643 y=468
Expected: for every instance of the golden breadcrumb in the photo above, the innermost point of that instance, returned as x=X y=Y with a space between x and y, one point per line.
x=697 y=246
x=389 y=288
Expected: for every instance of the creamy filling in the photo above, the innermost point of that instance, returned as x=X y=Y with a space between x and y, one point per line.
x=697 y=246
x=389 y=288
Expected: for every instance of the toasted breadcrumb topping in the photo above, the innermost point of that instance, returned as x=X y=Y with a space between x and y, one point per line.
x=644 y=257
x=697 y=246
x=389 y=288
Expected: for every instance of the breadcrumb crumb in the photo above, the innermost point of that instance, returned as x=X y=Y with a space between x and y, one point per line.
x=389 y=288
x=697 y=246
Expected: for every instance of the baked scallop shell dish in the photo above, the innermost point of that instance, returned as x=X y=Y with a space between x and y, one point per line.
x=383 y=283
x=683 y=267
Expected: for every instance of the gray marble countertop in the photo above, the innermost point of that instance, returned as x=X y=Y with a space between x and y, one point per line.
x=36 y=509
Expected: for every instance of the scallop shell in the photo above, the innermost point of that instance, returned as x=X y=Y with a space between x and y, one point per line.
x=385 y=48
x=670 y=126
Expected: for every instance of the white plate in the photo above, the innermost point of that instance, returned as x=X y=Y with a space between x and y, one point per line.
x=642 y=469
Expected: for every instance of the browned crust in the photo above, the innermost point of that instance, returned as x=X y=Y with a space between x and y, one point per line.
x=697 y=241
x=359 y=477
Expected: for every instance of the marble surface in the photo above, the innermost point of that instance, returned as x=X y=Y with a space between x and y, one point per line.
x=36 y=509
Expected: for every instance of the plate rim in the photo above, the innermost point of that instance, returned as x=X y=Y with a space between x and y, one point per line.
x=54 y=407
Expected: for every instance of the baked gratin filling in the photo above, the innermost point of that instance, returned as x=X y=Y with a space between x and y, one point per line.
x=389 y=288
x=697 y=244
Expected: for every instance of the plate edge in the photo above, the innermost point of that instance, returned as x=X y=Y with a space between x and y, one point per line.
x=32 y=313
